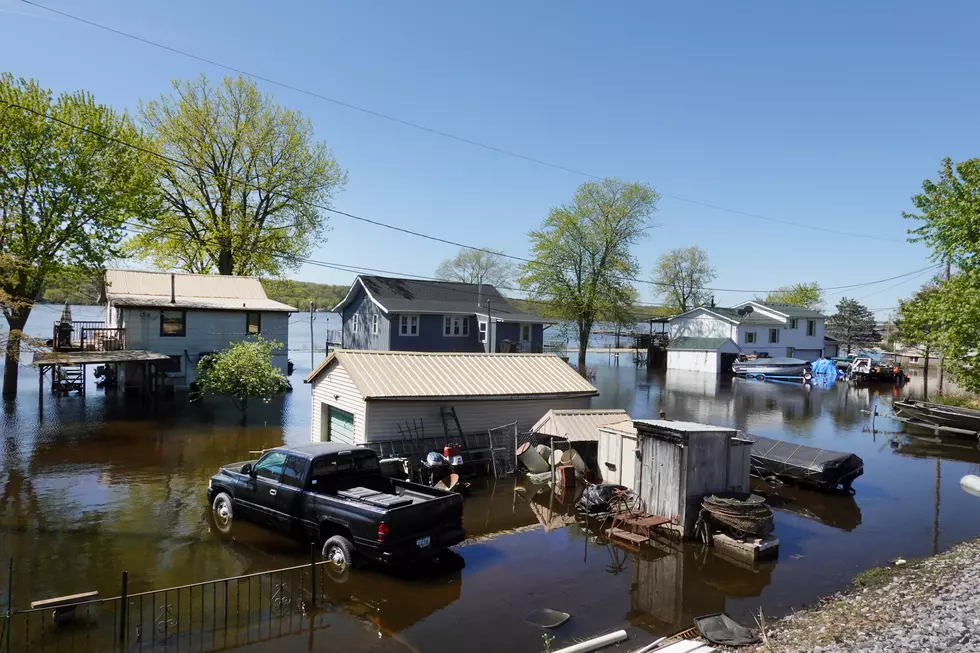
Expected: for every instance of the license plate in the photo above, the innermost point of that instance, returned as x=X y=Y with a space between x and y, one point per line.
x=423 y=542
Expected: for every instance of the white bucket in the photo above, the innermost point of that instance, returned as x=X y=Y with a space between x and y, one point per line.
x=544 y=451
x=971 y=484
x=572 y=458
x=531 y=459
x=556 y=457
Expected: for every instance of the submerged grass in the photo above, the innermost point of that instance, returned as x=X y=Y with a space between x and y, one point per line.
x=959 y=400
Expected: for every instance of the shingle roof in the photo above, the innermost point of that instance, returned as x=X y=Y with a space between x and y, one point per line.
x=580 y=425
x=688 y=342
x=422 y=296
x=206 y=291
x=733 y=315
x=425 y=375
x=791 y=310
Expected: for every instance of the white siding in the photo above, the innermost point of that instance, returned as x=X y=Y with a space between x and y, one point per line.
x=619 y=450
x=384 y=417
x=207 y=331
x=335 y=388
x=694 y=360
x=804 y=346
x=701 y=325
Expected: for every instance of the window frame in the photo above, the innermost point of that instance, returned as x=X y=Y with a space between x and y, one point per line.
x=811 y=328
x=248 y=323
x=530 y=332
x=374 y=324
x=482 y=331
x=353 y=323
x=304 y=467
x=165 y=320
x=794 y=323
x=754 y=340
x=455 y=326
x=405 y=323
x=277 y=479
x=774 y=331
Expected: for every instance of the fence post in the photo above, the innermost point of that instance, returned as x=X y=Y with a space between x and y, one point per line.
x=122 y=608
x=313 y=574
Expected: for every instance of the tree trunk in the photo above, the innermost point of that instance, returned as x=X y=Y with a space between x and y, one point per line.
x=583 y=345
x=226 y=264
x=925 y=376
x=11 y=364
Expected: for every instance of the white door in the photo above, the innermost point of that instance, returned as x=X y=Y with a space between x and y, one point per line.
x=525 y=338
x=628 y=466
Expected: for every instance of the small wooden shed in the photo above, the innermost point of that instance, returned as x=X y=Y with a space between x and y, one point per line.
x=618 y=459
x=683 y=462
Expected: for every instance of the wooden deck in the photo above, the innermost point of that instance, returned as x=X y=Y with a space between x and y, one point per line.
x=97 y=357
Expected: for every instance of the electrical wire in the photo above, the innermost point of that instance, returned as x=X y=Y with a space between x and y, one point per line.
x=437 y=132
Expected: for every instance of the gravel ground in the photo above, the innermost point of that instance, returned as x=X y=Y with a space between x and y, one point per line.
x=926 y=605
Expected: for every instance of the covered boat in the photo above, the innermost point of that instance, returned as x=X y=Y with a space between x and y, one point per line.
x=803 y=465
x=772 y=367
x=951 y=419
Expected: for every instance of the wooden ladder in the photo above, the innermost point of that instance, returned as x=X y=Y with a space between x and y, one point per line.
x=449 y=421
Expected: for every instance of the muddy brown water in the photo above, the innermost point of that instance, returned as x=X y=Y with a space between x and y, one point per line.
x=91 y=487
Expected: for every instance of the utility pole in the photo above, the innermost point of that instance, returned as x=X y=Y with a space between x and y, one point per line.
x=942 y=359
x=312 y=317
x=489 y=328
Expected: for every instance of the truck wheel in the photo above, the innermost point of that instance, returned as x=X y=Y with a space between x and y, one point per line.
x=221 y=510
x=339 y=553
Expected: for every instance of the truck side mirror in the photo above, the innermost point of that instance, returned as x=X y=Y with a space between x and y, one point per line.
x=247 y=469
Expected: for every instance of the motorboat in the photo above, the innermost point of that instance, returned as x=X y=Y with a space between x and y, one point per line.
x=948 y=419
x=763 y=367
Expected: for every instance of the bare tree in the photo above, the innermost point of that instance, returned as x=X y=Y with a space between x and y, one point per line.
x=477 y=266
x=681 y=276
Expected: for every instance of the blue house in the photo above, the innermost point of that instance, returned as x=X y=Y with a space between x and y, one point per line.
x=385 y=313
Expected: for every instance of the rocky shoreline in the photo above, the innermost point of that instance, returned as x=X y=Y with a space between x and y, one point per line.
x=931 y=604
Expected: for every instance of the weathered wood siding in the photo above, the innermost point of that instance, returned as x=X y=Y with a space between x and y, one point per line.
x=617 y=449
x=662 y=477
x=207 y=332
x=364 y=337
x=335 y=388
x=384 y=417
x=432 y=336
x=739 y=463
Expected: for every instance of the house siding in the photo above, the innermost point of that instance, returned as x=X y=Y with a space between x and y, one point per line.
x=207 y=331
x=432 y=337
x=475 y=416
x=366 y=309
x=701 y=325
x=804 y=346
x=335 y=388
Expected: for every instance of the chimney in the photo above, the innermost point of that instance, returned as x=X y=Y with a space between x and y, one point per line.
x=712 y=301
x=173 y=292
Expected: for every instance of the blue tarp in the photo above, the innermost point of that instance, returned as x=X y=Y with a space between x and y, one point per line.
x=824 y=367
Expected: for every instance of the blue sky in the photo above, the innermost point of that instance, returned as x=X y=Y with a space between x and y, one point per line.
x=827 y=114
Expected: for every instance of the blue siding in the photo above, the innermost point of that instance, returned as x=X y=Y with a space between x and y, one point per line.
x=431 y=336
x=537 y=338
x=512 y=331
x=364 y=338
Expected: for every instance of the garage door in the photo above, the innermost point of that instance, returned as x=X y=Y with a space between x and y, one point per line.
x=340 y=426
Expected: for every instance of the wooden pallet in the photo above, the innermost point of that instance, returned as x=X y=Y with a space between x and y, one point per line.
x=629 y=536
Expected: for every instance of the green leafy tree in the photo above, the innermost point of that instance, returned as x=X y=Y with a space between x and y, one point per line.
x=681 y=276
x=243 y=371
x=247 y=202
x=477 y=266
x=67 y=184
x=804 y=295
x=301 y=293
x=918 y=322
x=583 y=259
x=948 y=211
x=853 y=325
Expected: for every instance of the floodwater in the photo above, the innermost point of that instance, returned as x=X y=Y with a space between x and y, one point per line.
x=92 y=487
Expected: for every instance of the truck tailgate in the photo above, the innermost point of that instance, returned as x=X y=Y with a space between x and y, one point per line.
x=442 y=512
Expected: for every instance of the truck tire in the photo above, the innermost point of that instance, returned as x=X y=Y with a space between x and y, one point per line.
x=339 y=554
x=223 y=512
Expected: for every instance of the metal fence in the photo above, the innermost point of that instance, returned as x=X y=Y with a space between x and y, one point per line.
x=209 y=616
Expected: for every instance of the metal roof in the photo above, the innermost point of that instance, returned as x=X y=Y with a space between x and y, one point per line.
x=394 y=295
x=578 y=425
x=430 y=375
x=626 y=426
x=205 y=291
x=672 y=426
x=688 y=342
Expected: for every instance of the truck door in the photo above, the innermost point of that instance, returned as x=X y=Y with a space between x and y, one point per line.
x=291 y=511
x=259 y=496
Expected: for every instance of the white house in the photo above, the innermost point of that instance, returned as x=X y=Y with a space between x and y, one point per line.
x=187 y=316
x=362 y=396
x=755 y=327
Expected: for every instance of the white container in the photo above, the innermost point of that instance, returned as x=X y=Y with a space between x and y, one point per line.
x=556 y=457
x=531 y=459
x=971 y=484
x=544 y=451
x=572 y=458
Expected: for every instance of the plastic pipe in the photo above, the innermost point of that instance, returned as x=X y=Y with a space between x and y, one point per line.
x=595 y=644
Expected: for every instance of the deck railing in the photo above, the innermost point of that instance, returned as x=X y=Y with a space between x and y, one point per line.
x=87 y=336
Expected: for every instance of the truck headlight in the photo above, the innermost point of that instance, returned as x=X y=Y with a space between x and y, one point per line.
x=209 y=483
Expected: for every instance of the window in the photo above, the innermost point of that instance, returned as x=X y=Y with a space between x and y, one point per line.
x=913 y=359
x=483 y=331
x=525 y=332
x=793 y=323
x=790 y=351
x=173 y=324
x=750 y=337
x=456 y=327
x=409 y=325
x=353 y=324
x=811 y=327
x=294 y=471
x=270 y=465
x=773 y=335
x=253 y=323
x=374 y=323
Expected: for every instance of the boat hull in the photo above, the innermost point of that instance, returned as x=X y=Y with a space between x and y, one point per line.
x=930 y=414
x=749 y=369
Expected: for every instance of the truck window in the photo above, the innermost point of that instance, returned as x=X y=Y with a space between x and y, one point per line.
x=270 y=465
x=294 y=472
x=366 y=461
x=343 y=463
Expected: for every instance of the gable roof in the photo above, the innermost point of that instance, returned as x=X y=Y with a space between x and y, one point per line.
x=394 y=295
x=206 y=291
x=425 y=375
x=789 y=310
x=697 y=344
x=732 y=315
x=580 y=425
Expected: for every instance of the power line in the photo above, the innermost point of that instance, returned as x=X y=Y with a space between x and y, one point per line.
x=189 y=166
x=437 y=132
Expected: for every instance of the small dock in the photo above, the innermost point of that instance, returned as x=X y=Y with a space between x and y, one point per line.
x=67 y=368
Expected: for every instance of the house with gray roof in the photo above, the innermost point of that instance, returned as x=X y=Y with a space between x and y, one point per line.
x=752 y=327
x=392 y=314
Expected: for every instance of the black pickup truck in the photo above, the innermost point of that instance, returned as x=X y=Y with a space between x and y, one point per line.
x=335 y=495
